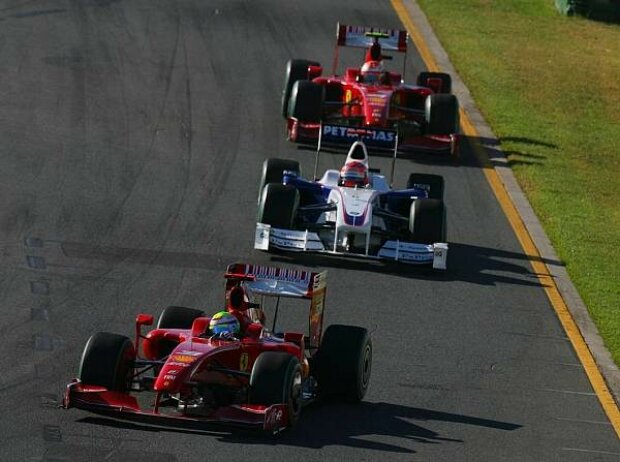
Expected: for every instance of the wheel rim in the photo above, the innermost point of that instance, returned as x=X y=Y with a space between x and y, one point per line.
x=367 y=365
x=295 y=398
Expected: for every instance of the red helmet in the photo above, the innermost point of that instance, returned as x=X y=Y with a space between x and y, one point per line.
x=372 y=66
x=354 y=174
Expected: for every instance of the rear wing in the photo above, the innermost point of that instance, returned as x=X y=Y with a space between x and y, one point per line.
x=279 y=282
x=369 y=37
x=285 y=282
x=364 y=37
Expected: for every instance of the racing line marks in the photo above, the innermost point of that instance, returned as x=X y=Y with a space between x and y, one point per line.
x=39 y=287
x=41 y=313
x=36 y=262
x=52 y=433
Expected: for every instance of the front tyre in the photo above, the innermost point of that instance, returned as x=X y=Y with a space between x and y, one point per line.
x=276 y=378
x=296 y=69
x=278 y=205
x=273 y=171
x=442 y=114
x=306 y=101
x=427 y=221
x=107 y=361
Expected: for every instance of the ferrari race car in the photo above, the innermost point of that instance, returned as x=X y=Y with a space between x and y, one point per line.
x=352 y=212
x=425 y=115
x=184 y=372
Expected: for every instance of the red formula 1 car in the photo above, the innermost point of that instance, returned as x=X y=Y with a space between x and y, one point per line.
x=183 y=373
x=425 y=115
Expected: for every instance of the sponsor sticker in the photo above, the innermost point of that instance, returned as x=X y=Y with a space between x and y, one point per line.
x=183 y=359
x=377 y=137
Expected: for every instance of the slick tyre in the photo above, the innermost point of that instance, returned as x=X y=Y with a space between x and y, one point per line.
x=276 y=378
x=273 y=171
x=343 y=363
x=427 y=221
x=433 y=184
x=446 y=81
x=306 y=101
x=442 y=114
x=107 y=361
x=178 y=317
x=296 y=69
x=278 y=205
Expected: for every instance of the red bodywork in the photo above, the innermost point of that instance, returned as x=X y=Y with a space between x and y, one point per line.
x=187 y=359
x=385 y=103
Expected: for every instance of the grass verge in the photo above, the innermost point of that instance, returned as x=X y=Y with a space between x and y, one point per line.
x=549 y=86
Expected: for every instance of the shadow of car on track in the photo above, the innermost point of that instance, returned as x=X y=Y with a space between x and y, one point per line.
x=358 y=426
x=468 y=263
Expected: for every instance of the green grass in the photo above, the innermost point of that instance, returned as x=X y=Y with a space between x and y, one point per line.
x=549 y=86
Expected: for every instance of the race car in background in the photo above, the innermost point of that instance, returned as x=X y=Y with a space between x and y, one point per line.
x=425 y=115
x=354 y=211
x=184 y=373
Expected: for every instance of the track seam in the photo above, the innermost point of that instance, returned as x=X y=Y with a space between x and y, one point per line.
x=523 y=234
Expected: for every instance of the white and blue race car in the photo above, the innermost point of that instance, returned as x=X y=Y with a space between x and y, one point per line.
x=352 y=212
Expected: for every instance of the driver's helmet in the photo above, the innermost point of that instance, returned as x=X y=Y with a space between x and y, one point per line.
x=224 y=322
x=371 y=71
x=354 y=174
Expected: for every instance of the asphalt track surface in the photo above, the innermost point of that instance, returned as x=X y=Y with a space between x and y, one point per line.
x=131 y=140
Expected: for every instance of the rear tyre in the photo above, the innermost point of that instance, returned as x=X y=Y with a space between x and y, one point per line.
x=433 y=184
x=343 y=363
x=296 y=69
x=442 y=114
x=446 y=81
x=107 y=361
x=278 y=205
x=427 y=221
x=276 y=378
x=178 y=317
x=273 y=171
x=306 y=101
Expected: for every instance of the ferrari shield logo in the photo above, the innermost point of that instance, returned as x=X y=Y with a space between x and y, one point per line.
x=348 y=96
x=243 y=362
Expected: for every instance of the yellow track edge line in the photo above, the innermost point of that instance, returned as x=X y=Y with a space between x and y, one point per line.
x=539 y=268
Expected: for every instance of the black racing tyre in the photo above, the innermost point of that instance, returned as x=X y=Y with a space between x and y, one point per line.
x=306 y=101
x=343 y=363
x=446 y=80
x=107 y=361
x=434 y=184
x=278 y=205
x=296 y=69
x=273 y=171
x=442 y=114
x=427 y=221
x=178 y=317
x=276 y=378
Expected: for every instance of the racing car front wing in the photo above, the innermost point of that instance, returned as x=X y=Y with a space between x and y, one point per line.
x=121 y=405
x=267 y=237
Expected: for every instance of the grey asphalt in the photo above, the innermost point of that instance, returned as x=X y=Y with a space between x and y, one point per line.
x=131 y=138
